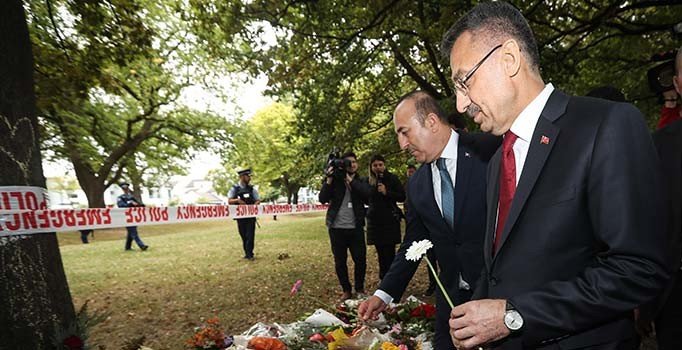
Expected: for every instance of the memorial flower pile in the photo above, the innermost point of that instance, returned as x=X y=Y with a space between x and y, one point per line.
x=406 y=326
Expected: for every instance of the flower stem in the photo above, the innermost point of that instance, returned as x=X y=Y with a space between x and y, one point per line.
x=440 y=285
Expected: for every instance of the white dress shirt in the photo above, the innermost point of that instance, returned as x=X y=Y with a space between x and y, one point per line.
x=524 y=127
x=450 y=155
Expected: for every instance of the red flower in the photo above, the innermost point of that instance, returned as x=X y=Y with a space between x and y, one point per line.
x=73 y=343
x=424 y=310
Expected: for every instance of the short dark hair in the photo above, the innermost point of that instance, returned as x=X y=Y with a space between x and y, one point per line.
x=607 y=92
x=490 y=21
x=425 y=103
x=410 y=166
x=349 y=154
x=376 y=157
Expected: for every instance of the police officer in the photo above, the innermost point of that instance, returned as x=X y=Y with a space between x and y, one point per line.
x=244 y=193
x=127 y=200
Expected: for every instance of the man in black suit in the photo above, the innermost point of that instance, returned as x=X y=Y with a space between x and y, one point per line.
x=668 y=141
x=454 y=223
x=574 y=236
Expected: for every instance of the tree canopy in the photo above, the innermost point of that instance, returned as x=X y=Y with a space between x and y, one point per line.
x=344 y=64
x=109 y=76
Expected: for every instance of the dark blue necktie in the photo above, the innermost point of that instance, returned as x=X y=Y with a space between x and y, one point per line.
x=447 y=193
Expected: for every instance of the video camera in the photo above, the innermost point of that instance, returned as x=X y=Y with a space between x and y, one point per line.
x=339 y=165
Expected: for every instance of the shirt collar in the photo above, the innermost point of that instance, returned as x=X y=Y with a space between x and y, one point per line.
x=450 y=150
x=524 y=125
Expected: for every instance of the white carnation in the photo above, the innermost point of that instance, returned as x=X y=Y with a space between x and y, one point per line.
x=418 y=249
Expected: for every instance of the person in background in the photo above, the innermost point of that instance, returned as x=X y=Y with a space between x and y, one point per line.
x=243 y=193
x=671 y=110
x=668 y=141
x=84 y=235
x=607 y=92
x=127 y=200
x=383 y=214
x=347 y=193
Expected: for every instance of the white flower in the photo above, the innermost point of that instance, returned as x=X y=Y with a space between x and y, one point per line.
x=418 y=249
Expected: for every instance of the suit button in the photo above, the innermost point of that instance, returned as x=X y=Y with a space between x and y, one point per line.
x=493 y=281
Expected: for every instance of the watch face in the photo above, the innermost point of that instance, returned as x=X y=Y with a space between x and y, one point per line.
x=513 y=320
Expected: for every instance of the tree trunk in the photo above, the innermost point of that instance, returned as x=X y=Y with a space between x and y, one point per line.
x=34 y=294
x=91 y=185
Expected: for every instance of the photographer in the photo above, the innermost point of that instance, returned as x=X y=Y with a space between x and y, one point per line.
x=346 y=194
x=383 y=215
x=127 y=200
x=245 y=194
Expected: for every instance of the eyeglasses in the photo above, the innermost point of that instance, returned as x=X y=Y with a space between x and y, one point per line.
x=461 y=83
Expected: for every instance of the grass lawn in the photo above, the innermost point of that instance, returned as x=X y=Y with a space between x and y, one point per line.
x=196 y=271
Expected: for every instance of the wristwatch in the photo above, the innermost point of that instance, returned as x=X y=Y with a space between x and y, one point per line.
x=512 y=318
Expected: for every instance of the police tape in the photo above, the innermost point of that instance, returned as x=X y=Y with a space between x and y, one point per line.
x=24 y=210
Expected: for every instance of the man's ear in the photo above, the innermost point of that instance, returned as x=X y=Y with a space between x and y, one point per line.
x=511 y=57
x=431 y=122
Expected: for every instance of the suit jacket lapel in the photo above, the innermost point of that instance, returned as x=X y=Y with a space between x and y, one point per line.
x=541 y=144
x=492 y=197
x=463 y=174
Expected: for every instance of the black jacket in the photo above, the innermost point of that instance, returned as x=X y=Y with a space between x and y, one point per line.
x=383 y=215
x=583 y=244
x=333 y=194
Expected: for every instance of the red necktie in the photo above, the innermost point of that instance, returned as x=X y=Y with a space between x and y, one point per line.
x=507 y=185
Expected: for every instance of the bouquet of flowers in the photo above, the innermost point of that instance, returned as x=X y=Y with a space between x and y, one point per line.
x=209 y=335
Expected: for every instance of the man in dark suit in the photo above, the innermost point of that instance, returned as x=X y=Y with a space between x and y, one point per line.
x=668 y=141
x=454 y=220
x=574 y=237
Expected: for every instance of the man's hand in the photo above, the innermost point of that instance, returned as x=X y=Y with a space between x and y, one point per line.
x=349 y=178
x=381 y=188
x=477 y=323
x=371 y=308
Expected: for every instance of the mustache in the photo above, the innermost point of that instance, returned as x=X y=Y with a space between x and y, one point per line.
x=473 y=109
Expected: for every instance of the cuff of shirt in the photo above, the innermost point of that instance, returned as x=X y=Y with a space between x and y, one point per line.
x=385 y=297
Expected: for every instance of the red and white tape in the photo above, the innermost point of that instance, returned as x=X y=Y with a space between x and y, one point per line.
x=24 y=210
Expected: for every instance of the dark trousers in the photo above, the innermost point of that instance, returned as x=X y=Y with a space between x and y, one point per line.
x=431 y=254
x=84 y=235
x=669 y=320
x=343 y=240
x=133 y=236
x=385 y=253
x=247 y=230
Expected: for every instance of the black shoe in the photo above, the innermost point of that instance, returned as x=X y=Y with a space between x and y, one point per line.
x=128 y=249
x=144 y=247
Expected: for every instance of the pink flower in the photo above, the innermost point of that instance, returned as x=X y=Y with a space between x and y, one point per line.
x=296 y=287
x=402 y=347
